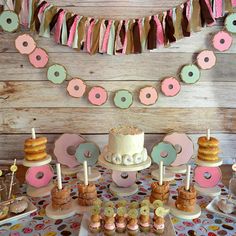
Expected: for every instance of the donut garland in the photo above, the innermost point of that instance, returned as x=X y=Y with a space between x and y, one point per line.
x=9 y=21
x=25 y=44
x=230 y=23
x=123 y=99
x=97 y=96
x=38 y=58
x=148 y=96
x=56 y=74
x=206 y=60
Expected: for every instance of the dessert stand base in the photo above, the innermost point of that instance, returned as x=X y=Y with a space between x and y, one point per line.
x=67 y=171
x=63 y=214
x=211 y=192
x=40 y=192
x=208 y=163
x=45 y=161
x=167 y=176
x=183 y=214
x=177 y=169
x=123 y=192
x=93 y=176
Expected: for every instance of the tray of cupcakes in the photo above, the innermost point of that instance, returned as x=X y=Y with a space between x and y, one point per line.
x=15 y=209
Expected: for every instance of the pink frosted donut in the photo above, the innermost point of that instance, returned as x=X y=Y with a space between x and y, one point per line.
x=25 y=44
x=76 y=88
x=97 y=96
x=222 y=41
x=170 y=86
x=124 y=179
x=184 y=147
x=38 y=58
x=206 y=60
x=207 y=177
x=148 y=96
x=39 y=176
x=65 y=149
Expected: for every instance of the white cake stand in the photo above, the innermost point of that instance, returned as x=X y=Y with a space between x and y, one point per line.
x=67 y=171
x=182 y=169
x=93 y=175
x=209 y=163
x=45 y=161
x=167 y=175
x=121 y=190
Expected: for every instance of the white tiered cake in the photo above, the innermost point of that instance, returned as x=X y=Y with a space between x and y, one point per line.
x=125 y=146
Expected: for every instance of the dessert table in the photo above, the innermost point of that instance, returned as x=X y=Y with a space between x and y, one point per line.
x=37 y=224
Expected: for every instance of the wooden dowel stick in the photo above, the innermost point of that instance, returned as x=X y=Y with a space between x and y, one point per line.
x=85 y=173
x=11 y=183
x=208 y=134
x=59 y=182
x=188 y=178
x=33 y=133
x=161 y=173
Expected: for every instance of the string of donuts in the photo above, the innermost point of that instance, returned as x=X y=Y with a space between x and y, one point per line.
x=170 y=86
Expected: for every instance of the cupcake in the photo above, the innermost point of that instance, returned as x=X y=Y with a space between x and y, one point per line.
x=3 y=212
x=121 y=220
x=95 y=220
x=159 y=221
x=134 y=205
x=132 y=226
x=121 y=203
x=109 y=222
x=144 y=219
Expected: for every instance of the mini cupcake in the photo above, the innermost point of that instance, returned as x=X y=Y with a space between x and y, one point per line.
x=109 y=222
x=97 y=202
x=95 y=220
x=134 y=205
x=108 y=204
x=144 y=219
x=3 y=212
x=121 y=220
x=145 y=202
x=121 y=203
x=132 y=226
x=159 y=221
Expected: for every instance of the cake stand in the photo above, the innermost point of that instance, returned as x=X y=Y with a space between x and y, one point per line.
x=167 y=175
x=45 y=161
x=214 y=191
x=120 y=189
x=67 y=171
x=177 y=169
x=93 y=174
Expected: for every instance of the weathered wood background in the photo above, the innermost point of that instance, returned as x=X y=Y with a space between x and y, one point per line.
x=28 y=100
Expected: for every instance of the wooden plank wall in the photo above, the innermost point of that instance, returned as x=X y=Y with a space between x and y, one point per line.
x=28 y=100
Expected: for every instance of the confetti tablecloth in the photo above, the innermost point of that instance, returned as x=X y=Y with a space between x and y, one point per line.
x=38 y=224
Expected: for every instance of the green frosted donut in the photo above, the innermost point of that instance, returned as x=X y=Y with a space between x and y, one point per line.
x=165 y=152
x=9 y=21
x=87 y=152
x=123 y=99
x=230 y=23
x=190 y=74
x=56 y=73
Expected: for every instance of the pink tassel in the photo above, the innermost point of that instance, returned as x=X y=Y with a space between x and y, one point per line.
x=89 y=35
x=210 y=11
x=118 y=44
x=58 y=26
x=160 y=33
x=24 y=13
x=72 y=32
x=41 y=11
x=188 y=11
x=218 y=8
x=234 y=3
x=101 y=35
x=106 y=37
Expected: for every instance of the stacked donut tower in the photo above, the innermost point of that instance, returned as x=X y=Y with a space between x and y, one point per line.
x=207 y=174
x=185 y=206
x=40 y=174
x=125 y=155
x=62 y=205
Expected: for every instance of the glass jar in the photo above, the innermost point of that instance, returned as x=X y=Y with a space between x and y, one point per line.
x=3 y=190
x=15 y=185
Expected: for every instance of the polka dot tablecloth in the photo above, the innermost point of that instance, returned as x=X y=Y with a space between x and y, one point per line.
x=38 y=224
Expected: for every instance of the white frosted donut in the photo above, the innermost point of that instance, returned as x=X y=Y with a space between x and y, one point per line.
x=116 y=159
x=108 y=156
x=128 y=160
x=137 y=158
x=144 y=154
